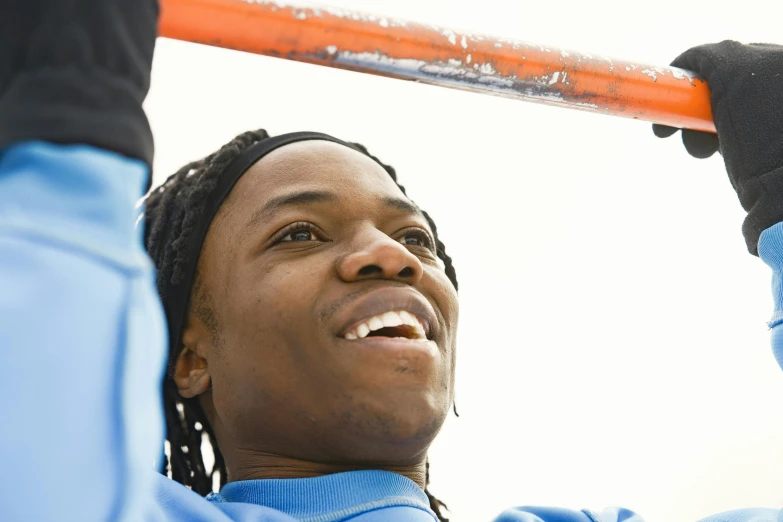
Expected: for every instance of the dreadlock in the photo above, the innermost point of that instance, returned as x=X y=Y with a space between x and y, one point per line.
x=172 y=211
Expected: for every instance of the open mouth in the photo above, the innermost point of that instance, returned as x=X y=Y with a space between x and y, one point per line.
x=396 y=324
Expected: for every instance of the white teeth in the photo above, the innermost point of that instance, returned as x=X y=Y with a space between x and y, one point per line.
x=389 y=320
x=362 y=330
x=420 y=333
x=413 y=321
x=408 y=318
x=376 y=323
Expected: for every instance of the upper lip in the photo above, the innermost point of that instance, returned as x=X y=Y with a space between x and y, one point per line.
x=389 y=299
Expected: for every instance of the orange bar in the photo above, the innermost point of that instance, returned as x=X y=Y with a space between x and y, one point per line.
x=385 y=46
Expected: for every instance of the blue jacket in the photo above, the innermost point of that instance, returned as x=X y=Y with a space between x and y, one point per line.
x=82 y=354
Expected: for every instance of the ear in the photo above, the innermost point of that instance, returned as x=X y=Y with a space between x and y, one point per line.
x=191 y=371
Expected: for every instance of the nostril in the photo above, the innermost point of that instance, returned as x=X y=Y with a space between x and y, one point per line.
x=406 y=272
x=370 y=270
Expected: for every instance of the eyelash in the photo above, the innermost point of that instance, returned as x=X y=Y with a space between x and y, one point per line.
x=422 y=235
x=426 y=240
x=297 y=227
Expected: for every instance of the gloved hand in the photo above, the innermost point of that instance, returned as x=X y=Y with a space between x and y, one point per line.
x=747 y=104
x=77 y=71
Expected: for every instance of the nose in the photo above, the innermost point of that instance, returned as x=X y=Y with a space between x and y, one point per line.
x=378 y=256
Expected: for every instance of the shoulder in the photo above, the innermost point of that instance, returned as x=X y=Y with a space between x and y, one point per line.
x=548 y=514
x=747 y=515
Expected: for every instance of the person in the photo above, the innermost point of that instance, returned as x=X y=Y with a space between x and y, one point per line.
x=310 y=328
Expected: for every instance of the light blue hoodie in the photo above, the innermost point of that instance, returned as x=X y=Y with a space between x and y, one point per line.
x=82 y=354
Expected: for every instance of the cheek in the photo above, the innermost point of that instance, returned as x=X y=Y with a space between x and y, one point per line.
x=267 y=327
x=262 y=297
x=446 y=298
x=266 y=321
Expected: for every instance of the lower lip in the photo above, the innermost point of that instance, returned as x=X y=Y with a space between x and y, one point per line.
x=393 y=343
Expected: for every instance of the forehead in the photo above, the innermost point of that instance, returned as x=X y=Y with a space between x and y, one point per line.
x=314 y=165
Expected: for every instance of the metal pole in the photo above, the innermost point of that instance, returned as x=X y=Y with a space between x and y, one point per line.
x=410 y=51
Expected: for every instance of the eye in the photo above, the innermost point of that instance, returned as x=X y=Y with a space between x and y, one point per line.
x=298 y=233
x=417 y=237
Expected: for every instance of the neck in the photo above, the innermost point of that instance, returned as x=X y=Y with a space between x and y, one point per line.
x=252 y=465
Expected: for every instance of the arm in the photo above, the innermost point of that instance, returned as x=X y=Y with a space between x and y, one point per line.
x=82 y=337
x=81 y=329
x=747 y=104
x=771 y=252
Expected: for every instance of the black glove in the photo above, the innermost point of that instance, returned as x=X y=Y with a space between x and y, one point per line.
x=747 y=104
x=77 y=71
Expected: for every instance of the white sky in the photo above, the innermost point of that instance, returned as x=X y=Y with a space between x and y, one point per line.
x=613 y=347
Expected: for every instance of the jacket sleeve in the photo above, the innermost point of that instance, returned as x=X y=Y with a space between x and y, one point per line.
x=81 y=338
x=771 y=252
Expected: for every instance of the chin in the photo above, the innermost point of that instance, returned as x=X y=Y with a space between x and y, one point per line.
x=394 y=430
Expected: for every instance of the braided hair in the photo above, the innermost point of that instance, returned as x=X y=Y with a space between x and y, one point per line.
x=172 y=210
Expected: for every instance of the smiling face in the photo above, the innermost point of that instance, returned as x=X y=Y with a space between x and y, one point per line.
x=325 y=323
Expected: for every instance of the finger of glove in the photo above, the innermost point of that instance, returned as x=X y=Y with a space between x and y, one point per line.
x=663 y=131
x=699 y=144
x=700 y=59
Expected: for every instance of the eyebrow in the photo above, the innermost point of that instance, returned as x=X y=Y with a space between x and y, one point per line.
x=401 y=204
x=314 y=196
x=291 y=200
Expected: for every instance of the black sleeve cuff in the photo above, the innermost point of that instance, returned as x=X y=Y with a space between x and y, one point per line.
x=71 y=106
x=762 y=197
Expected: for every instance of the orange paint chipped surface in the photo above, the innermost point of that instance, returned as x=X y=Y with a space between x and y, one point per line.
x=380 y=45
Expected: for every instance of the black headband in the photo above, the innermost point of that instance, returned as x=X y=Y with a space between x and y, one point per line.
x=178 y=295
